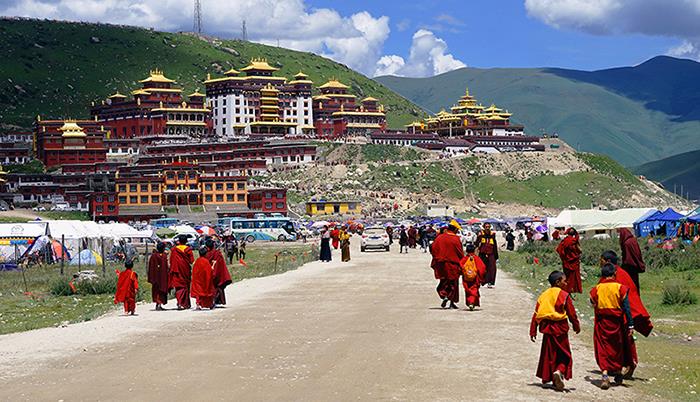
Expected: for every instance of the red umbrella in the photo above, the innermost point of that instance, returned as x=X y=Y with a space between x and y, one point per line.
x=473 y=221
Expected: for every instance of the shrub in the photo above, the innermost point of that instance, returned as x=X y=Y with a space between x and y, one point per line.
x=677 y=294
x=60 y=287
x=99 y=286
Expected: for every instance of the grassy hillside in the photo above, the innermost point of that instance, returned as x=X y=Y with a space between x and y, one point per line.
x=683 y=169
x=56 y=69
x=597 y=112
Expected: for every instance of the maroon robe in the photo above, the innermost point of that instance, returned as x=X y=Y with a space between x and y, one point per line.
x=221 y=276
x=181 y=259
x=412 y=237
x=471 y=288
x=570 y=254
x=640 y=318
x=632 y=260
x=555 y=354
x=447 y=249
x=488 y=252
x=158 y=277
x=203 y=289
x=610 y=334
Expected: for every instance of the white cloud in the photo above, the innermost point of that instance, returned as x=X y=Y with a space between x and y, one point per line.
x=428 y=56
x=669 y=18
x=356 y=40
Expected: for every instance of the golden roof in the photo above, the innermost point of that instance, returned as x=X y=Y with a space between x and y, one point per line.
x=319 y=97
x=370 y=99
x=232 y=71
x=334 y=83
x=157 y=76
x=492 y=108
x=269 y=88
x=71 y=129
x=196 y=94
x=140 y=92
x=259 y=64
x=116 y=95
x=300 y=76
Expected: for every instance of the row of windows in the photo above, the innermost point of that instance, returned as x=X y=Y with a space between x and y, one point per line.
x=155 y=187
x=100 y=208
x=186 y=117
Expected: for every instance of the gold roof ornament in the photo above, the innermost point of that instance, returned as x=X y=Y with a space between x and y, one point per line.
x=196 y=94
x=259 y=64
x=71 y=129
x=157 y=76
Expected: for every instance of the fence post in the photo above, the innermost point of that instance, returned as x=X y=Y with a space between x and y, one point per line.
x=79 y=262
x=102 y=250
x=145 y=257
x=63 y=252
x=276 y=257
x=24 y=278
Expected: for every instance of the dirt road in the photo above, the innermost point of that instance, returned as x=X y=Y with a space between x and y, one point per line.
x=369 y=330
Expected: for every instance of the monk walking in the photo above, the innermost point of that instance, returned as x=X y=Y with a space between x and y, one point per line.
x=553 y=308
x=640 y=316
x=610 y=329
x=181 y=259
x=221 y=276
x=473 y=272
x=159 y=276
x=448 y=253
x=632 y=261
x=203 y=289
x=570 y=253
x=488 y=252
x=127 y=285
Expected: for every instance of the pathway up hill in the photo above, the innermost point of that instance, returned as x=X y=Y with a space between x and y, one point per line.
x=486 y=184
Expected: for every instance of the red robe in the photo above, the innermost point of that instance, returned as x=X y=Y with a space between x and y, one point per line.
x=435 y=264
x=335 y=238
x=640 y=318
x=158 y=277
x=471 y=289
x=203 y=289
x=449 y=254
x=127 y=285
x=570 y=254
x=555 y=353
x=181 y=258
x=632 y=261
x=488 y=252
x=221 y=276
x=610 y=329
x=412 y=237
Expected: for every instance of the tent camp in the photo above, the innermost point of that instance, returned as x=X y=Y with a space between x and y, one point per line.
x=663 y=224
x=591 y=222
x=16 y=239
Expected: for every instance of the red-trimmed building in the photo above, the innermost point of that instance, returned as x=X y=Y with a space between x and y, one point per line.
x=337 y=113
x=66 y=142
x=268 y=200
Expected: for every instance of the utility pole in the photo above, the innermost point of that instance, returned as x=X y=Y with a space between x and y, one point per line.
x=244 y=32
x=197 y=16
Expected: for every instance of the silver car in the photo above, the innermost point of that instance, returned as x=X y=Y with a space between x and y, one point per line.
x=374 y=238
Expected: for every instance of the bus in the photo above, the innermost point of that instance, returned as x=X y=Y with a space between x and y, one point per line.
x=163 y=222
x=273 y=228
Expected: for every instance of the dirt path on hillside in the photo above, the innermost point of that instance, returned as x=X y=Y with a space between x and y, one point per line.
x=369 y=330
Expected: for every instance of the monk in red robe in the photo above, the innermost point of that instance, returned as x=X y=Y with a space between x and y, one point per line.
x=488 y=252
x=473 y=272
x=159 y=276
x=632 y=260
x=570 y=254
x=203 y=289
x=640 y=316
x=181 y=259
x=552 y=310
x=127 y=285
x=447 y=250
x=612 y=325
x=335 y=237
x=221 y=276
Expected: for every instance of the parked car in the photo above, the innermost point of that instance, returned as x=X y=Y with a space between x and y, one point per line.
x=374 y=238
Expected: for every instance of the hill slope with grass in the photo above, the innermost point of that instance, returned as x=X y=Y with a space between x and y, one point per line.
x=56 y=69
x=683 y=169
x=635 y=114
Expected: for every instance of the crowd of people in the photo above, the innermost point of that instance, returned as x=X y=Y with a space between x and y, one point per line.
x=338 y=237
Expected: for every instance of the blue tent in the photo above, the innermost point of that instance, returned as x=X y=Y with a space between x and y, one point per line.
x=659 y=224
x=694 y=218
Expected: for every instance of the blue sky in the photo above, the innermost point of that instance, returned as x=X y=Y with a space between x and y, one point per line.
x=421 y=38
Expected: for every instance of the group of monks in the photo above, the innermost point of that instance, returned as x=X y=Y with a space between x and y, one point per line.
x=618 y=311
x=204 y=279
x=450 y=262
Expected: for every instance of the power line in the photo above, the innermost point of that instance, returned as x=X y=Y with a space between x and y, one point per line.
x=197 y=16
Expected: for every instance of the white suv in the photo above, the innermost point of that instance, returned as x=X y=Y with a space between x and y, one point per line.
x=374 y=238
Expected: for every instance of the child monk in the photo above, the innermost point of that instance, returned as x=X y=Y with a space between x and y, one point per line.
x=553 y=308
x=473 y=271
x=127 y=285
x=610 y=329
x=203 y=289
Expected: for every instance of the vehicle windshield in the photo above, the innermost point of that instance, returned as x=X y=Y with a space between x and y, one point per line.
x=374 y=231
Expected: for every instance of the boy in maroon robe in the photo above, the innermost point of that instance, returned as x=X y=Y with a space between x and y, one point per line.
x=612 y=325
x=632 y=260
x=553 y=308
x=221 y=276
x=640 y=316
x=570 y=254
x=203 y=289
x=473 y=272
x=447 y=250
x=488 y=252
x=181 y=259
x=127 y=285
x=158 y=276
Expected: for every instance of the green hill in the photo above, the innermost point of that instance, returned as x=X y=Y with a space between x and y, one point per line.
x=56 y=69
x=683 y=169
x=635 y=115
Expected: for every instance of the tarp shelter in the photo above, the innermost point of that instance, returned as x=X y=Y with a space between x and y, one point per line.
x=591 y=222
x=15 y=240
x=659 y=224
x=694 y=218
x=86 y=257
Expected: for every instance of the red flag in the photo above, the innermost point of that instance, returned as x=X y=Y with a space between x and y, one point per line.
x=72 y=287
x=240 y=261
x=536 y=261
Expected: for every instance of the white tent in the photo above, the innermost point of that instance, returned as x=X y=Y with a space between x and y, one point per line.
x=16 y=239
x=590 y=222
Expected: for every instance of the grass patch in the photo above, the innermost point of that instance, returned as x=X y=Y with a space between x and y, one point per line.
x=677 y=294
x=607 y=166
x=50 y=302
x=65 y=215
